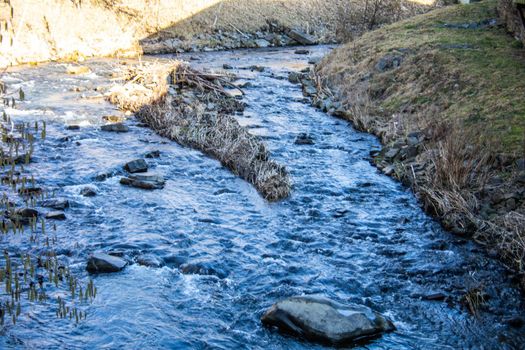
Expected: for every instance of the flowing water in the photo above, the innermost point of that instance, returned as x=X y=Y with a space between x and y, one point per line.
x=347 y=231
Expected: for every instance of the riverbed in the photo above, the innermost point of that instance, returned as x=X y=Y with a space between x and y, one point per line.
x=347 y=232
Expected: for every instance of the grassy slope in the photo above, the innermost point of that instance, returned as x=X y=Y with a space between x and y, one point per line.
x=476 y=76
x=464 y=89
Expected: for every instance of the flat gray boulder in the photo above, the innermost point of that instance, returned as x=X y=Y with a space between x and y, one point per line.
x=104 y=263
x=301 y=37
x=55 y=203
x=321 y=320
x=145 y=181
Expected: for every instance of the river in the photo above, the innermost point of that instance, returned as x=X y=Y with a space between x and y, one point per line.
x=347 y=232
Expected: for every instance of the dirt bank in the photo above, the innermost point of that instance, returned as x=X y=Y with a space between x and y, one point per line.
x=444 y=92
x=35 y=31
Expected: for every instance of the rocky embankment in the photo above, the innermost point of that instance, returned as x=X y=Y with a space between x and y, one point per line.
x=441 y=124
x=272 y=35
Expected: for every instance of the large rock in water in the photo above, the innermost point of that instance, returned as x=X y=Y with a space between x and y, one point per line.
x=318 y=319
x=104 y=263
x=301 y=37
x=145 y=181
x=136 y=166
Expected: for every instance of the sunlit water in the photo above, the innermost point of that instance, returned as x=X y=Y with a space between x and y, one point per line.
x=347 y=231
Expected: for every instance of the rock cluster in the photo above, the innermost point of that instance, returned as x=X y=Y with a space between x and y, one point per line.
x=271 y=37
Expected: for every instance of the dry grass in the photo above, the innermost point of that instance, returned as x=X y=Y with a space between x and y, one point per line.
x=71 y=29
x=188 y=121
x=328 y=20
x=463 y=88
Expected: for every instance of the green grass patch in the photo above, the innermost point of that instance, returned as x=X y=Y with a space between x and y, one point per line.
x=474 y=75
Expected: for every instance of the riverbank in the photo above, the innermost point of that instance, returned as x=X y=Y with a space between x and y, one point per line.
x=444 y=93
x=64 y=30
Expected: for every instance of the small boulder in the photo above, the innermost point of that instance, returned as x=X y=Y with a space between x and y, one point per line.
x=304 y=139
x=136 y=166
x=27 y=213
x=261 y=43
x=150 y=260
x=56 y=215
x=104 y=263
x=152 y=154
x=309 y=89
x=391 y=154
x=294 y=77
x=116 y=127
x=388 y=62
x=301 y=37
x=322 y=320
x=56 y=203
x=202 y=269
x=257 y=68
x=88 y=192
x=227 y=66
x=302 y=52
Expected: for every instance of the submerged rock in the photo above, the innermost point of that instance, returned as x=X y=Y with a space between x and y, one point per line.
x=152 y=154
x=104 y=263
x=136 y=166
x=304 y=139
x=202 y=269
x=56 y=203
x=144 y=181
x=88 y=192
x=116 y=127
x=302 y=52
x=322 y=320
x=150 y=260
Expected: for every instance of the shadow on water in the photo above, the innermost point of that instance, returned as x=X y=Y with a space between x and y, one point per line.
x=347 y=231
